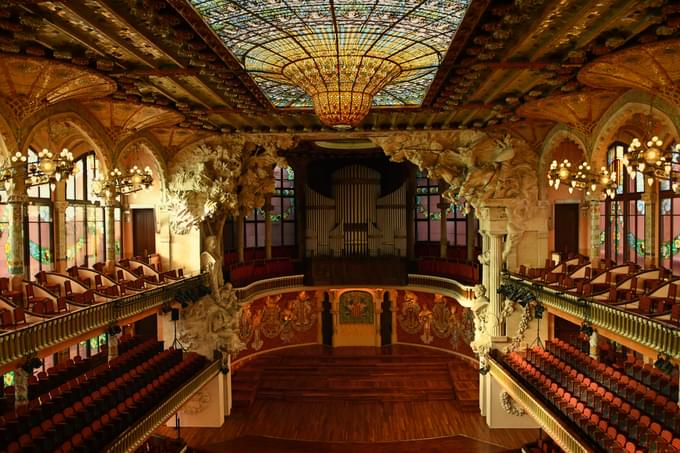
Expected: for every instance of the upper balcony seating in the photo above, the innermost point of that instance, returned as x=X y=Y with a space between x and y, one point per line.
x=608 y=420
x=15 y=295
x=74 y=407
x=96 y=419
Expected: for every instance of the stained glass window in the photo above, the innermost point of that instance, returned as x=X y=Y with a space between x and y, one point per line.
x=41 y=191
x=38 y=253
x=669 y=222
x=85 y=224
x=428 y=214
x=269 y=38
x=624 y=216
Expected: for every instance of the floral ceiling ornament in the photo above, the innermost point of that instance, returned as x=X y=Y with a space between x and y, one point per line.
x=341 y=57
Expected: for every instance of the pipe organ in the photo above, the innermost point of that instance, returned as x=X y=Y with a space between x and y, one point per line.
x=356 y=221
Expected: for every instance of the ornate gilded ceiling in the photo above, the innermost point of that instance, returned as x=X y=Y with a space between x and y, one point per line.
x=162 y=54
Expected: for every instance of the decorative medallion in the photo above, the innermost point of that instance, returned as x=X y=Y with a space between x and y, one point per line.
x=408 y=319
x=356 y=307
x=441 y=317
x=271 y=322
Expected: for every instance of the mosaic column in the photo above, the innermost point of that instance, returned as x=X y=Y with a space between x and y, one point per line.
x=594 y=210
x=59 y=221
x=20 y=388
x=267 y=227
x=113 y=347
x=443 y=239
x=649 y=198
x=16 y=203
x=496 y=244
x=110 y=232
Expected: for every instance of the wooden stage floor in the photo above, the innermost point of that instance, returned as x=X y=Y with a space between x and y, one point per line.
x=358 y=400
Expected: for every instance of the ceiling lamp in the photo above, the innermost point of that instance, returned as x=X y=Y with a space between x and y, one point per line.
x=340 y=57
x=47 y=168
x=119 y=183
x=649 y=159
x=342 y=87
x=583 y=178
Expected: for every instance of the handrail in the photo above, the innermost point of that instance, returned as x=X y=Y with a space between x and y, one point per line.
x=538 y=411
x=133 y=437
x=646 y=331
x=17 y=343
x=444 y=285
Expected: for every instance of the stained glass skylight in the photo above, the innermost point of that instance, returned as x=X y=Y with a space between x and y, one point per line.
x=279 y=42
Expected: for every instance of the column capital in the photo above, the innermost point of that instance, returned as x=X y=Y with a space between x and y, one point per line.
x=60 y=205
x=17 y=198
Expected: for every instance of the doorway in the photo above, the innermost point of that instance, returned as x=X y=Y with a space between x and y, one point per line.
x=143 y=232
x=327 y=321
x=566 y=228
x=386 y=321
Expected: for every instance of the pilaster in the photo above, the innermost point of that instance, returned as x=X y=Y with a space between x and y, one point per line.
x=650 y=198
x=594 y=249
x=16 y=202
x=60 y=251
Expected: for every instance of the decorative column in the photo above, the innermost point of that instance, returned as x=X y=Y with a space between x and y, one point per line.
x=493 y=225
x=334 y=295
x=20 y=388
x=594 y=210
x=496 y=244
x=649 y=198
x=240 y=239
x=377 y=303
x=113 y=346
x=594 y=339
x=268 y=226
x=60 y=252
x=16 y=202
x=443 y=237
x=110 y=233
x=394 y=296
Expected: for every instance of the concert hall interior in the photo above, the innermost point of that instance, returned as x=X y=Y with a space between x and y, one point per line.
x=277 y=226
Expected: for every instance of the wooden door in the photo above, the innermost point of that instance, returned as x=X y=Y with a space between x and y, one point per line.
x=566 y=228
x=143 y=232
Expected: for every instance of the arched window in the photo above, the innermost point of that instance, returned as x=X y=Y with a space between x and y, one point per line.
x=669 y=222
x=623 y=217
x=428 y=215
x=282 y=214
x=84 y=225
x=39 y=240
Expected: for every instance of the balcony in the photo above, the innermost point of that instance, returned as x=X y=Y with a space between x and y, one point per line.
x=655 y=335
x=18 y=343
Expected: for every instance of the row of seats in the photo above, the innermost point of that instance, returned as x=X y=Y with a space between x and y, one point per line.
x=617 y=435
x=619 y=409
x=91 y=423
x=645 y=376
x=19 y=422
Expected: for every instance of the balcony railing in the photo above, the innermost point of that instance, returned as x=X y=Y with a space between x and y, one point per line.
x=132 y=438
x=646 y=331
x=20 y=342
x=539 y=412
x=443 y=285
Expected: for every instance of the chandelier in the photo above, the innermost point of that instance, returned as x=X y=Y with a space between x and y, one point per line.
x=342 y=88
x=650 y=160
x=339 y=57
x=119 y=183
x=584 y=178
x=47 y=169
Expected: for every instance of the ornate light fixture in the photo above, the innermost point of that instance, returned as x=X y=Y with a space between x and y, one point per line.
x=118 y=183
x=584 y=178
x=47 y=169
x=650 y=160
x=338 y=57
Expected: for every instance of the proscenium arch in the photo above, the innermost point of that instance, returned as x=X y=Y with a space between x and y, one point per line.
x=555 y=137
x=629 y=104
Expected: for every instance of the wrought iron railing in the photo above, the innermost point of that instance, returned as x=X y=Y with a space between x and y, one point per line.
x=649 y=332
x=133 y=437
x=539 y=412
x=18 y=343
